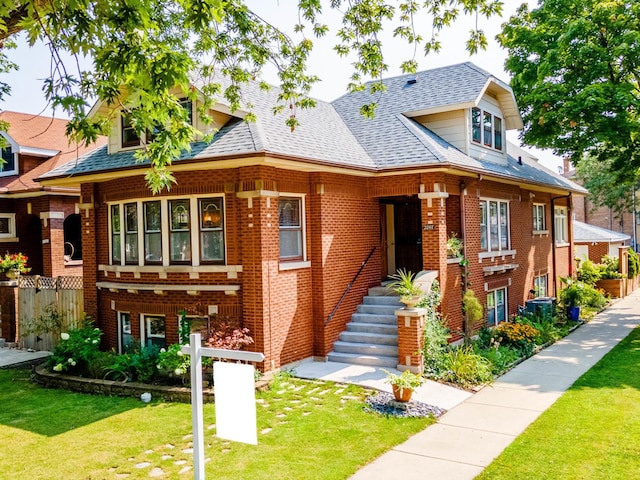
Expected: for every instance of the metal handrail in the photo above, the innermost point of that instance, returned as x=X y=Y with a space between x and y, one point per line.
x=364 y=264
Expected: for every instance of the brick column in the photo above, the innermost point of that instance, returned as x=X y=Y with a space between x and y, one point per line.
x=410 y=335
x=8 y=309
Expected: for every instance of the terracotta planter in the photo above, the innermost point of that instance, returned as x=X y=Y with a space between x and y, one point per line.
x=401 y=394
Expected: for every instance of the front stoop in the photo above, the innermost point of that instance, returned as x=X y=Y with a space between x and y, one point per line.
x=371 y=338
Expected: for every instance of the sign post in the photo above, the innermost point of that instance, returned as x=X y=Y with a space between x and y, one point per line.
x=196 y=351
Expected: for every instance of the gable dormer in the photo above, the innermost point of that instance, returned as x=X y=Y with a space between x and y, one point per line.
x=123 y=136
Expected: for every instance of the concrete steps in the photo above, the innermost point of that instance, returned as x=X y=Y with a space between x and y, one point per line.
x=371 y=338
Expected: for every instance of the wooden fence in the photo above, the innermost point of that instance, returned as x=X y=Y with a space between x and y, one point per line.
x=46 y=307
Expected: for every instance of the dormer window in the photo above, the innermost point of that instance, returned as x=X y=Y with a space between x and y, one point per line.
x=130 y=137
x=8 y=165
x=486 y=129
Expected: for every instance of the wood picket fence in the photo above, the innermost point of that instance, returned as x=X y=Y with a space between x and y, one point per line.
x=46 y=307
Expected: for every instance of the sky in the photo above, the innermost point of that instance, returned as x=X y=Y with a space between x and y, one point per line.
x=34 y=62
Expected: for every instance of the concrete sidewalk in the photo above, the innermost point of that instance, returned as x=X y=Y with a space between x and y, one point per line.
x=469 y=436
x=15 y=357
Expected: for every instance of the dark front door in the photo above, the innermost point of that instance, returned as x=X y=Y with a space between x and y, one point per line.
x=408 y=235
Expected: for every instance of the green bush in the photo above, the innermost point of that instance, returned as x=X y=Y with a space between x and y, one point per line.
x=100 y=364
x=173 y=363
x=76 y=350
x=588 y=273
x=436 y=335
x=501 y=357
x=138 y=366
x=609 y=267
x=633 y=263
x=464 y=367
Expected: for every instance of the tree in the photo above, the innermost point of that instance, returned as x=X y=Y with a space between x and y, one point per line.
x=141 y=49
x=576 y=75
x=605 y=188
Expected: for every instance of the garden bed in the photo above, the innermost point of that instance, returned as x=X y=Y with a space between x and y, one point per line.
x=123 y=389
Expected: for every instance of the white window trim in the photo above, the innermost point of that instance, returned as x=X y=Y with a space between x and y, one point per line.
x=15 y=148
x=164 y=220
x=546 y=284
x=493 y=125
x=498 y=252
x=544 y=219
x=119 y=322
x=291 y=265
x=143 y=328
x=11 y=235
x=563 y=215
x=506 y=305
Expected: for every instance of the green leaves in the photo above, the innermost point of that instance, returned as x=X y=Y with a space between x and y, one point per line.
x=146 y=52
x=576 y=72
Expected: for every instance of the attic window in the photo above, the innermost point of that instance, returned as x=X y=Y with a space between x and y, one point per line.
x=486 y=129
x=8 y=165
x=130 y=137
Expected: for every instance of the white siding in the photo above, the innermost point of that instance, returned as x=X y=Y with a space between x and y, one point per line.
x=448 y=125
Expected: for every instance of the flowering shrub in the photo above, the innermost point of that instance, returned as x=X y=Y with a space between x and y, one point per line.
x=519 y=335
x=173 y=362
x=76 y=350
x=228 y=336
x=14 y=261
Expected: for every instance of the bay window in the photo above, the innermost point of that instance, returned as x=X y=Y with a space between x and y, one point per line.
x=131 y=233
x=211 y=230
x=179 y=231
x=152 y=232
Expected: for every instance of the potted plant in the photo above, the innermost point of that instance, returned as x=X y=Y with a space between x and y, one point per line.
x=404 y=384
x=454 y=246
x=405 y=286
x=572 y=296
x=13 y=264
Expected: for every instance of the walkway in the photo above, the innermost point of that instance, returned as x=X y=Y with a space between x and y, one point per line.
x=469 y=436
x=14 y=357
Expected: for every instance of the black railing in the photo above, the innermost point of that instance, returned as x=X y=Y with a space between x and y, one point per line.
x=364 y=264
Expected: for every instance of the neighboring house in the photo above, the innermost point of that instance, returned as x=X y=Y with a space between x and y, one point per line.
x=269 y=227
x=40 y=221
x=594 y=242
x=625 y=223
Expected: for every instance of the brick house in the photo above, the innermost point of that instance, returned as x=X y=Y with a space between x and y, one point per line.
x=269 y=226
x=43 y=222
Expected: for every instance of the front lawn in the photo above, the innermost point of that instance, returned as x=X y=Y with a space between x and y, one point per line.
x=591 y=432
x=306 y=430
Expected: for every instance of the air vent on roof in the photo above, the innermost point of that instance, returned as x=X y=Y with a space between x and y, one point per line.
x=412 y=80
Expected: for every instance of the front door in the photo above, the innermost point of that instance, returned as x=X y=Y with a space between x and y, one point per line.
x=401 y=236
x=407 y=223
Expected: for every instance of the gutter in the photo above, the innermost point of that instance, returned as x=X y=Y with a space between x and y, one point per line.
x=553 y=240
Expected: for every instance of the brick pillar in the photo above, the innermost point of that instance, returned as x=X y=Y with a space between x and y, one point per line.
x=87 y=209
x=259 y=231
x=410 y=335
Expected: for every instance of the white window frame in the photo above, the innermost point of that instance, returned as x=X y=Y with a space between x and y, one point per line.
x=119 y=316
x=537 y=227
x=482 y=142
x=487 y=225
x=144 y=330
x=537 y=282
x=286 y=264
x=194 y=219
x=14 y=151
x=493 y=293
x=10 y=236
x=561 y=223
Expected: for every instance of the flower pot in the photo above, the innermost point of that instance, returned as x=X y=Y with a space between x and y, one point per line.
x=12 y=274
x=401 y=394
x=573 y=313
x=410 y=302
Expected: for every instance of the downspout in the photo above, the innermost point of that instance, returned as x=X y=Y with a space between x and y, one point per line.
x=553 y=241
x=463 y=235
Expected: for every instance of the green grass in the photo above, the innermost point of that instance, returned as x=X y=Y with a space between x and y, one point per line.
x=306 y=430
x=591 y=432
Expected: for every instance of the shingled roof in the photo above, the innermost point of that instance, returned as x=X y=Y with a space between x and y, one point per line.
x=336 y=134
x=33 y=133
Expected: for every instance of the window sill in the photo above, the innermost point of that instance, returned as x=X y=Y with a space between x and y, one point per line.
x=162 y=270
x=541 y=232
x=9 y=239
x=498 y=269
x=454 y=260
x=135 y=288
x=562 y=244
x=294 y=265
x=499 y=254
x=72 y=263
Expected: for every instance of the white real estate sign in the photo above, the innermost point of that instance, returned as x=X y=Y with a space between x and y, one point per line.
x=235 y=397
